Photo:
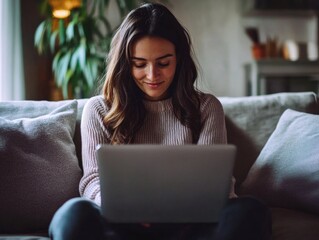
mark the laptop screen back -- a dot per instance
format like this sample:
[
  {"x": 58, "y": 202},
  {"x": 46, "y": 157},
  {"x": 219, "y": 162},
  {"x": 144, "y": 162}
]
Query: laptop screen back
[{"x": 164, "y": 184}]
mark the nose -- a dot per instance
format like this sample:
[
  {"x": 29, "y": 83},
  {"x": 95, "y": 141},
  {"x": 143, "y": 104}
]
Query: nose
[{"x": 152, "y": 72}]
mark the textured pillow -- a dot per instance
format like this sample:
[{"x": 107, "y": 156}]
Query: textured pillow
[
  {"x": 39, "y": 169},
  {"x": 251, "y": 120},
  {"x": 286, "y": 173}
]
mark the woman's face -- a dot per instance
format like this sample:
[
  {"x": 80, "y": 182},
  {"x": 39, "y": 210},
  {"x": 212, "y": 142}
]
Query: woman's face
[{"x": 153, "y": 62}]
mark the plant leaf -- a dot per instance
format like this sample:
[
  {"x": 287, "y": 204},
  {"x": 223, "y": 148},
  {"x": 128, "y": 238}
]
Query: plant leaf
[
  {"x": 102, "y": 6},
  {"x": 106, "y": 26},
  {"x": 75, "y": 59},
  {"x": 56, "y": 61},
  {"x": 65, "y": 83},
  {"x": 61, "y": 32},
  {"x": 91, "y": 71},
  {"x": 82, "y": 53},
  {"x": 70, "y": 31},
  {"x": 39, "y": 38},
  {"x": 53, "y": 40},
  {"x": 62, "y": 67},
  {"x": 81, "y": 30},
  {"x": 39, "y": 33}
]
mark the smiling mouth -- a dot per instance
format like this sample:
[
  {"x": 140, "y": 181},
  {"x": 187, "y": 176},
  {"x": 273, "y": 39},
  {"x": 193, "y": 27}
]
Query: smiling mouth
[{"x": 153, "y": 85}]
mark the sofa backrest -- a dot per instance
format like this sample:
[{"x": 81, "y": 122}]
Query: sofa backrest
[{"x": 251, "y": 120}]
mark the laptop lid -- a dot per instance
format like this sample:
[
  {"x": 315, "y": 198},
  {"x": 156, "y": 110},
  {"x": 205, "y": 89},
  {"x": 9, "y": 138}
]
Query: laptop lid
[{"x": 164, "y": 184}]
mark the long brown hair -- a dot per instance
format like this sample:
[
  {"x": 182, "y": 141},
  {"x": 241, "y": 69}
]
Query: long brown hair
[{"x": 124, "y": 99}]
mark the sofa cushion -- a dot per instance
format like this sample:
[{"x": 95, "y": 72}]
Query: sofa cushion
[
  {"x": 38, "y": 165},
  {"x": 286, "y": 173},
  {"x": 288, "y": 224},
  {"x": 251, "y": 120}
]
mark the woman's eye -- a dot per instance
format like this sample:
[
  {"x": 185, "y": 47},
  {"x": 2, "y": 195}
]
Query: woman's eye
[
  {"x": 163, "y": 64},
  {"x": 139, "y": 65}
]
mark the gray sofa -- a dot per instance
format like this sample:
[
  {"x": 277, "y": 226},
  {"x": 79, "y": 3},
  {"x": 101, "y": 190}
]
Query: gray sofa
[{"x": 40, "y": 160}]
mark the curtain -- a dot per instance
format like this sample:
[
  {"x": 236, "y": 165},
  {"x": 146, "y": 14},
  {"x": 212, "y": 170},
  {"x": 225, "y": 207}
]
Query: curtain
[{"x": 11, "y": 58}]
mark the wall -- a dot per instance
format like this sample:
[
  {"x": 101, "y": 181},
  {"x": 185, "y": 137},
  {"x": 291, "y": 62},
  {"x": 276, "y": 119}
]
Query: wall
[
  {"x": 37, "y": 69},
  {"x": 217, "y": 31},
  {"x": 220, "y": 43}
]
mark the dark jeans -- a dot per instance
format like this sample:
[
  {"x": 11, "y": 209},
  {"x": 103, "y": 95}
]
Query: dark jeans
[{"x": 242, "y": 218}]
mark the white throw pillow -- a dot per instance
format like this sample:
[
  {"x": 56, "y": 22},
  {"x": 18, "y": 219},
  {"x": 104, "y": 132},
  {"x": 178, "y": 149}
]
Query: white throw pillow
[{"x": 286, "y": 173}]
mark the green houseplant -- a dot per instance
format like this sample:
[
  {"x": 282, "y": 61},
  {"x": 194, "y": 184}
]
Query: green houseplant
[{"x": 78, "y": 43}]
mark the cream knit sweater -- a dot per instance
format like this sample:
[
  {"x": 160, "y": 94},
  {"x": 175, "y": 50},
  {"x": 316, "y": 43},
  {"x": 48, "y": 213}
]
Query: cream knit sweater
[{"x": 160, "y": 127}]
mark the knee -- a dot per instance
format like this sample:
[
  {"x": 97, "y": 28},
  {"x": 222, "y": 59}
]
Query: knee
[
  {"x": 246, "y": 218},
  {"x": 249, "y": 206},
  {"x": 256, "y": 205},
  {"x": 80, "y": 206},
  {"x": 76, "y": 208},
  {"x": 252, "y": 203},
  {"x": 74, "y": 214}
]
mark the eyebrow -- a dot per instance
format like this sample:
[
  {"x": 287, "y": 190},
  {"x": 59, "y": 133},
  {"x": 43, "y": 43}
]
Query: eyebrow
[{"x": 159, "y": 58}]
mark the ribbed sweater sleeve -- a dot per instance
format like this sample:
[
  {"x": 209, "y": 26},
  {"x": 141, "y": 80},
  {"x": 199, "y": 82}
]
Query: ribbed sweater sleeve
[
  {"x": 160, "y": 127},
  {"x": 213, "y": 119},
  {"x": 93, "y": 132}
]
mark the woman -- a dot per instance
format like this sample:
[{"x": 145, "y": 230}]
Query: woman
[{"x": 149, "y": 97}]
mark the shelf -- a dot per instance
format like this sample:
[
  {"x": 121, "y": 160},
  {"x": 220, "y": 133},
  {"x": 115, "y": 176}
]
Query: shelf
[
  {"x": 258, "y": 72},
  {"x": 280, "y": 61},
  {"x": 281, "y": 13},
  {"x": 250, "y": 9}
]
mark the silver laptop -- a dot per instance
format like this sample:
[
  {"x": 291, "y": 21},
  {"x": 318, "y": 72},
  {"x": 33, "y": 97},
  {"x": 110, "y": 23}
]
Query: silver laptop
[{"x": 164, "y": 184}]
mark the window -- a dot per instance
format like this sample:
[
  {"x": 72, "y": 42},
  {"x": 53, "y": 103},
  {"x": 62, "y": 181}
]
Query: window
[{"x": 11, "y": 61}]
